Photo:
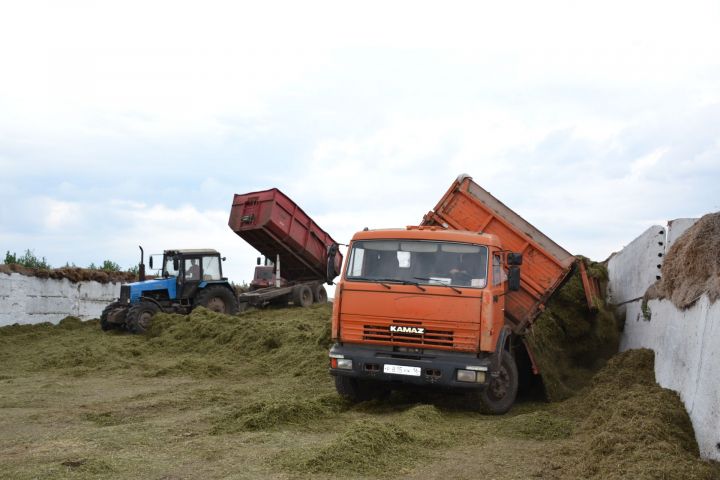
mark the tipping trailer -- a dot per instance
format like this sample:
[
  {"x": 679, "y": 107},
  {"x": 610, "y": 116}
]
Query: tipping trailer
[
  {"x": 444, "y": 304},
  {"x": 467, "y": 206},
  {"x": 302, "y": 255}
]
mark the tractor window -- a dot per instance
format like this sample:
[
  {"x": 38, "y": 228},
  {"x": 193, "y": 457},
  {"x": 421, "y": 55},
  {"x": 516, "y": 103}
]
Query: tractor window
[
  {"x": 169, "y": 268},
  {"x": 192, "y": 269},
  {"x": 211, "y": 268}
]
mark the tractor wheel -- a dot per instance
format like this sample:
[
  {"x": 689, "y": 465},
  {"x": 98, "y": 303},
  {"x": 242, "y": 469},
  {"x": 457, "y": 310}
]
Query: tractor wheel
[
  {"x": 320, "y": 294},
  {"x": 139, "y": 315},
  {"x": 302, "y": 296},
  {"x": 105, "y": 324},
  {"x": 499, "y": 395},
  {"x": 218, "y": 299}
]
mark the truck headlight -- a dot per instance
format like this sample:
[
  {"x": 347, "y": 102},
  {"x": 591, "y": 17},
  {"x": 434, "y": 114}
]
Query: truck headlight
[
  {"x": 466, "y": 376},
  {"x": 344, "y": 363}
]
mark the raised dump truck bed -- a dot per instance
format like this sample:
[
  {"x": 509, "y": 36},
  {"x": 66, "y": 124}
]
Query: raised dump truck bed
[
  {"x": 275, "y": 225},
  {"x": 467, "y": 206}
]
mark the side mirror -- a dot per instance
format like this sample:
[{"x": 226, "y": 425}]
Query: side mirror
[
  {"x": 330, "y": 271},
  {"x": 176, "y": 264},
  {"x": 258, "y": 260},
  {"x": 151, "y": 263},
  {"x": 513, "y": 278},
  {"x": 514, "y": 258}
]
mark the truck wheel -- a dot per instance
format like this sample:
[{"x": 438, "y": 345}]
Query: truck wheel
[
  {"x": 139, "y": 315},
  {"x": 357, "y": 390},
  {"x": 302, "y": 296},
  {"x": 115, "y": 308},
  {"x": 320, "y": 294},
  {"x": 499, "y": 395},
  {"x": 218, "y": 299}
]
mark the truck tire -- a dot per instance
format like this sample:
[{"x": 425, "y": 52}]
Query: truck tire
[
  {"x": 356, "y": 390},
  {"x": 320, "y": 294},
  {"x": 499, "y": 395},
  {"x": 217, "y": 298},
  {"x": 139, "y": 315},
  {"x": 105, "y": 324},
  {"x": 302, "y": 296}
]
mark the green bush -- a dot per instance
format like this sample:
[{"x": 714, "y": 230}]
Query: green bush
[{"x": 29, "y": 260}]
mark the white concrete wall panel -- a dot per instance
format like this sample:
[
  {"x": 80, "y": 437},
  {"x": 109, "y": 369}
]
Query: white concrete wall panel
[
  {"x": 635, "y": 267},
  {"x": 687, "y": 359},
  {"x": 25, "y": 299},
  {"x": 676, "y": 228}
]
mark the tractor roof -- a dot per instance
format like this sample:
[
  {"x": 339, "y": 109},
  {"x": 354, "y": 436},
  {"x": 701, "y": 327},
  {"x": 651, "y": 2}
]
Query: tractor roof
[{"x": 192, "y": 251}]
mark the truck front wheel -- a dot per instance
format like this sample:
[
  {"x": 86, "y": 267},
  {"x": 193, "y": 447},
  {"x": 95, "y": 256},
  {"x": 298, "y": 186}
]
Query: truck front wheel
[
  {"x": 499, "y": 395},
  {"x": 218, "y": 299},
  {"x": 357, "y": 390}
]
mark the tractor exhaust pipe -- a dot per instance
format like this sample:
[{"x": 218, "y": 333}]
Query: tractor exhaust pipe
[{"x": 141, "y": 267}]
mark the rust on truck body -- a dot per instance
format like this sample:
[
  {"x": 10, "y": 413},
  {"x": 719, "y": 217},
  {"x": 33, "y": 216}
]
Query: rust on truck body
[{"x": 467, "y": 206}]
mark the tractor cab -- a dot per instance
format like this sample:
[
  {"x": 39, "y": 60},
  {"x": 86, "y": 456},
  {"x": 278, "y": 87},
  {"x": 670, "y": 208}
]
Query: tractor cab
[{"x": 192, "y": 269}]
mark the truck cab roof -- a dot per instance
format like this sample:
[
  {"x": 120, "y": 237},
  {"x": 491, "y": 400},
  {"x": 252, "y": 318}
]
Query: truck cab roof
[{"x": 430, "y": 233}]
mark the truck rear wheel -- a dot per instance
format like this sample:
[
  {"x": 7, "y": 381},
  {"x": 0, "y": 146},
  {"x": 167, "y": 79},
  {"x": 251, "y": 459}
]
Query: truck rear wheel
[
  {"x": 138, "y": 316},
  {"x": 320, "y": 294},
  {"x": 499, "y": 395},
  {"x": 357, "y": 390},
  {"x": 302, "y": 296},
  {"x": 218, "y": 299}
]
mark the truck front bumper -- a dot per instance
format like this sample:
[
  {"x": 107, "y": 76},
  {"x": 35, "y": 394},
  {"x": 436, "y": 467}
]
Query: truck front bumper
[{"x": 429, "y": 368}]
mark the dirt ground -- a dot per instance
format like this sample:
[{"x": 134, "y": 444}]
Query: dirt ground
[{"x": 211, "y": 396}]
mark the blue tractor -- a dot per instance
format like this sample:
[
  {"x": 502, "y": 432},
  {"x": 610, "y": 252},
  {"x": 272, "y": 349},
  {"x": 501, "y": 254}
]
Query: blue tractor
[{"x": 188, "y": 278}]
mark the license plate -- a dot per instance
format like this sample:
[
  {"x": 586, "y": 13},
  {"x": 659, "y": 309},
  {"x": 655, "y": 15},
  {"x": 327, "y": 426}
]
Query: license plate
[{"x": 402, "y": 370}]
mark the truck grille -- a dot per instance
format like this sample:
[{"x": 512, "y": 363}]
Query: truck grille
[
  {"x": 125, "y": 293},
  {"x": 429, "y": 337}
]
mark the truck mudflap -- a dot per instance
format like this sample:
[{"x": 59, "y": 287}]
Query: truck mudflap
[{"x": 434, "y": 368}]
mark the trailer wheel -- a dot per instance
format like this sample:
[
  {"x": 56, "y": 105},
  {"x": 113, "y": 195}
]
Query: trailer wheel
[
  {"x": 218, "y": 299},
  {"x": 105, "y": 324},
  {"x": 302, "y": 296},
  {"x": 499, "y": 395},
  {"x": 138, "y": 316},
  {"x": 356, "y": 390},
  {"x": 320, "y": 294}
]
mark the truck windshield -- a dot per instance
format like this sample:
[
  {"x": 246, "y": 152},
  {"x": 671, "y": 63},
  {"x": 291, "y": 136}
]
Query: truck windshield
[{"x": 424, "y": 262}]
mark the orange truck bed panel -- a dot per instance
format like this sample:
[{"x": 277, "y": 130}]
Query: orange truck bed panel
[{"x": 467, "y": 206}]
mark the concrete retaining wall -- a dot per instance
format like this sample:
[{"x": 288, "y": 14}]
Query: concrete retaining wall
[
  {"x": 686, "y": 342},
  {"x": 26, "y": 299}
]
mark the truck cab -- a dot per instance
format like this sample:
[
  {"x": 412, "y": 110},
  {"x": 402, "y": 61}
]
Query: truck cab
[{"x": 424, "y": 307}]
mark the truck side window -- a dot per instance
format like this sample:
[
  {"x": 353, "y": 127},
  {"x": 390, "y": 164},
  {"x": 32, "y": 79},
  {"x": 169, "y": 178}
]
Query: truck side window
[
  {"x": 356, "y": 262},
  {"x": 498, "y": 273}
]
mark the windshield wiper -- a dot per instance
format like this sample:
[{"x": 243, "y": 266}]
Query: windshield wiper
[
  {"x": 390, "y": 280},
  {"x": 428, "y": 279}
]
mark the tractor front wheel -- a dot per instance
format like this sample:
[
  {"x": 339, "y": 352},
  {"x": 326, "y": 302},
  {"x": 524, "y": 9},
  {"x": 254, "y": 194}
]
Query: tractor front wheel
[
  {"x": 116, "y": 311},
  {"x": 139, "y": 315}
]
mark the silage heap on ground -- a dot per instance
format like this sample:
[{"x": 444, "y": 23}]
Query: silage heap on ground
[
  {"x": 691, "y": 267},
  {"x": 570, "y": 342},
  {"x": 250, "y": 397}
]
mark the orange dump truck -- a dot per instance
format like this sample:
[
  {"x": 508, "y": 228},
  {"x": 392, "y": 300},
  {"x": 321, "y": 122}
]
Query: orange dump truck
[{"x": 444, "y": 304}]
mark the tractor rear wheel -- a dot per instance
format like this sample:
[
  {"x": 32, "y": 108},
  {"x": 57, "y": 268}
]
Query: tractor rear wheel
[
  {"x": 218, "y": 299},
  {"x": 114, "y": 310},
  {"x": 302, "y": 296},
  {"x": 139, "y": 315}
]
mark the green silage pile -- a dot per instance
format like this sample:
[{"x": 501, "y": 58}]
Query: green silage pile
[{"x": 570, "y": 342}]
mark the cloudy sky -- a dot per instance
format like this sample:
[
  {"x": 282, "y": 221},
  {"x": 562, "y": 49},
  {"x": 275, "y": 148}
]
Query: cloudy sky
[{"x": 126, "y": 123}]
